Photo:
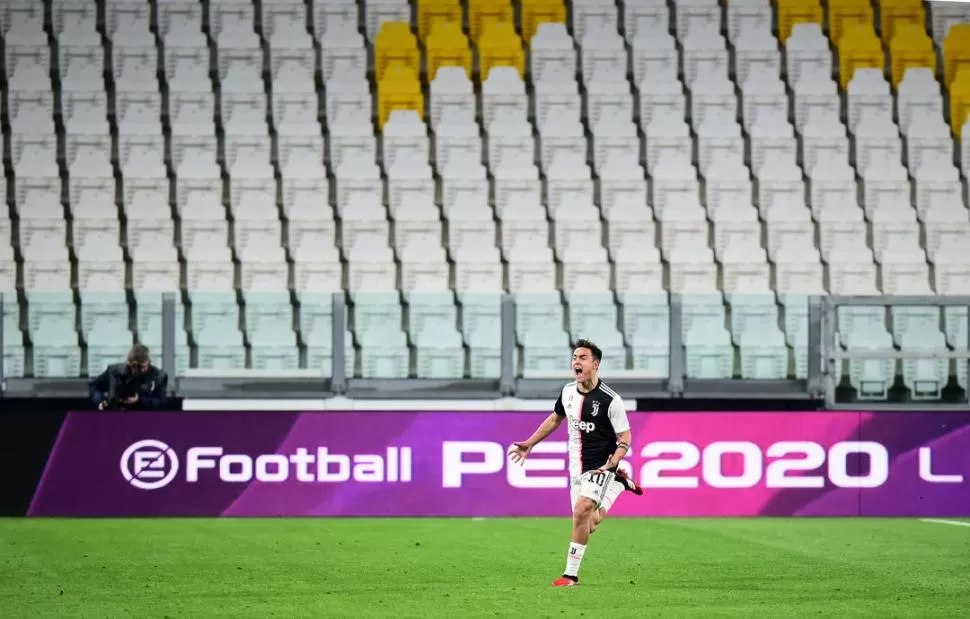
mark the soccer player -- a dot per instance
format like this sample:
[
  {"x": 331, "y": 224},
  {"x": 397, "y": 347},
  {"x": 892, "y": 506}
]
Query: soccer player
[{"x": 599, "y": 437}]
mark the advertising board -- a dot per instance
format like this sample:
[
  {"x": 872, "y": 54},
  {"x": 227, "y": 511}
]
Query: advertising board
[{"x": 455, "y": 464}]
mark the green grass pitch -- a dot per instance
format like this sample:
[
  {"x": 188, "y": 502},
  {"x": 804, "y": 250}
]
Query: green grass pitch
[{"x": 701, "y": 568}]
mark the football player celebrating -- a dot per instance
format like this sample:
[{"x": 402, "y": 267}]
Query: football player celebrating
[{"x": 599, "y": 437}]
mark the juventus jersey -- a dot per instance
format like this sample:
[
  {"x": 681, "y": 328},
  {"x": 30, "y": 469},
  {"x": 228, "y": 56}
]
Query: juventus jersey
[{"x": 593, "y": 420}]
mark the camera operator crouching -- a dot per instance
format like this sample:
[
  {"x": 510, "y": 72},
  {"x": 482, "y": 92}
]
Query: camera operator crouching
[{"x": 135, "y": 384}]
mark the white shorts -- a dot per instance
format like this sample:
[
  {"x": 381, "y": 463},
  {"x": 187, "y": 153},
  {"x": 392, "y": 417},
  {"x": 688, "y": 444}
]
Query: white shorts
[{"x": 601, "y": 489}]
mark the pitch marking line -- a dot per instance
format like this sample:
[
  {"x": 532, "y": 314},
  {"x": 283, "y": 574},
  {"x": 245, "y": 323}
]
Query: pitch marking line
[{"x": 955, "y": 523}]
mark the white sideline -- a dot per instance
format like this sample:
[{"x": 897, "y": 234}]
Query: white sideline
[{"x": 956, "y": 523}]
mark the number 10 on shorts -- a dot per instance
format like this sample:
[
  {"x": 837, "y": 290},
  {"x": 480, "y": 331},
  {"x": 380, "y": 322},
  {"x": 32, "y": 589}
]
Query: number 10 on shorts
[{"x": 594, "y": 485}]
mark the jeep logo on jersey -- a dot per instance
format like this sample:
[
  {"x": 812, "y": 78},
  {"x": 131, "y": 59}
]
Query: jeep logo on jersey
[
  {"x": 596, "y": 409},
  {"x": 584, "y": 426}
]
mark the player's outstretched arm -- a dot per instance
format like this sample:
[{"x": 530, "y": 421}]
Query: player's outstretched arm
[{"x": 520, "y": 451}]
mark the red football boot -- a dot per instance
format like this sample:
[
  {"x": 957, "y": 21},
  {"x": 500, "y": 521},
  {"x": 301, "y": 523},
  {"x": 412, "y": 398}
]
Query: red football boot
[
  {"x": 628, "y": 482},
  {"x": 565, "y": 581}
]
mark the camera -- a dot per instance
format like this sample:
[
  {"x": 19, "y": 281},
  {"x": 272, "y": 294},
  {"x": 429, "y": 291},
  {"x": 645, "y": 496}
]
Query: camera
[
  {"x": 134, "y": 384},
  {"x": 124, "y": 385}
]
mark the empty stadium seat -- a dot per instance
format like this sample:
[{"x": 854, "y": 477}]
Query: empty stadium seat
[
  {"x": 645, "y": 319},
  {"x": 910, "y": 47},
  {"x": 447, "y": 45},
  {"x": 593, "y": 317},
  {"x": 536, "y": 12},
  {"x": 859, "y": 48},
  {"x": 764, "y": 354},
  {"x": 378, "y": 326},
  {"x": 395, "y": 44},
  {"x": 499, "y": 46},
  {"x": 710, "y": 171},
  {"x": 268, "y": 320},
  {"x": 541, "y": 332},
  {"x": 708, "y": 350},
  {"x": 433, "y": 13},
  {"x": 872, "y": 378},
  {"x": 791, "y": 13},
  {"x": 956, "y": 51},
  {"x": 433, "y": 325},
  {"x": 51, "y": 327},
  {"x": 895, "y": 15},
  {"x": 843, "y": 15},
  {"x": 398, "y": 89},
  {"x": 483, "y": 12},
  {"x": 480, "y": 325}
]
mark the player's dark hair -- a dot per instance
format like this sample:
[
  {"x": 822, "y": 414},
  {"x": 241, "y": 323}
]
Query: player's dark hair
[{"x": 593, "y": 348}]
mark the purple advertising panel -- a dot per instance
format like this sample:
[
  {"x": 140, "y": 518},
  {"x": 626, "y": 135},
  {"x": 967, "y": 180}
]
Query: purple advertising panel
[{"x": 456, "y": 464}]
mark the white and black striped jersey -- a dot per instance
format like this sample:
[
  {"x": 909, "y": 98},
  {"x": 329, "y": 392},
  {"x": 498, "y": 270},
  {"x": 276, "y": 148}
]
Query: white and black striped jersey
[{"x": 593, "y": 420}]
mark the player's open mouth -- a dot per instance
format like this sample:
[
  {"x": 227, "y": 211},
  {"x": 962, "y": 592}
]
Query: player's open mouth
[{"x": 578, "y": 371}]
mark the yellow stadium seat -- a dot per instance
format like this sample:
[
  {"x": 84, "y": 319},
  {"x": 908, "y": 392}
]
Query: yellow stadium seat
[
  {"x": 500, "y": 46},
  {"x": 448, "y": 47},
  {"x": 433, "y": 11},
  {"x": 399, "y": 89},
  {"x": 859, "y": 48},
  {"x": 911, "y": 47},
  {"x": 794, "y": 12},
  {"x": 396, "y": 43},
  {"x": 960, "y": 101},
  {"x": 896, "y": 13},
  {"x": 956, "y": 51},
  {"x": 483, "y": 12},
  {"x": 535, "y": 12},
  {"x": 846, "y": 13}
]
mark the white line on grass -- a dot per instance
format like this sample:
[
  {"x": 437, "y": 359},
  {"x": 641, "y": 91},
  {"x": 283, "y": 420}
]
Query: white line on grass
[{"x": 956, "y": 523}]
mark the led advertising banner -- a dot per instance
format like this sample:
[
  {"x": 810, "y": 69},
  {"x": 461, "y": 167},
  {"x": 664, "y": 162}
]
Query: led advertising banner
[{"x": 455, "y": 464}]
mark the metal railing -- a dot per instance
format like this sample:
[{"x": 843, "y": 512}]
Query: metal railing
[
  {"x": 832, "y": 355},
  {"x": 823, "y": 375}
]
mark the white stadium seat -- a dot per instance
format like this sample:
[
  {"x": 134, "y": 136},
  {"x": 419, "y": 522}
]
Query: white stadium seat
[{"x": 612, "y": 156}]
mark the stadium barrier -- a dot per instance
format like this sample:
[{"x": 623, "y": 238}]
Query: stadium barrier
[
  {"x": 918, "y": 376},
  {"x": 388, "y": 463}
]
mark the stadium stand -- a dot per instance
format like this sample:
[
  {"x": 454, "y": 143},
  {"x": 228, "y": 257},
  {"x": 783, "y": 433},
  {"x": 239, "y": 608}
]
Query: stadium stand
[{"x": 589, "y": 157}]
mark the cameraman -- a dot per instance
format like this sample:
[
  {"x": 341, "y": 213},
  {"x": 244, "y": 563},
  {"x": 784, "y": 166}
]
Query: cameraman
[{"x": 133, "y": 385}]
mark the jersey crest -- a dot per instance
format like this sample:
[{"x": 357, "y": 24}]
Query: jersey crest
[{"x": 595, "y": 408}]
